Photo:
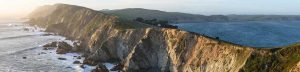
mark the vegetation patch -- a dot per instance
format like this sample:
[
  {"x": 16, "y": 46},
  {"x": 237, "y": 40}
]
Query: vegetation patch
[
  {"x": 123, "y": 24},
  {"x": 273, "y": 60},
  {"x": 155, "y": 22}
]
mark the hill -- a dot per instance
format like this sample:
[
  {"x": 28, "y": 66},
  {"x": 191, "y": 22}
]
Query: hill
[{"x": 132, "y": 13}]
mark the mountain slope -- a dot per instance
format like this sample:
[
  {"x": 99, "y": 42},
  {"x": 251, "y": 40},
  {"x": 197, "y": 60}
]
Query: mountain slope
[{"x": 138, "y": 47}]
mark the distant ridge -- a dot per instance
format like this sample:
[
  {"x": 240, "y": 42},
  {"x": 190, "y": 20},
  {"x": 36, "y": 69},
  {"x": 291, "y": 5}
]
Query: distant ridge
[
  {"x": 175, "y": 17},
  {"x": 132, "y": 13}
]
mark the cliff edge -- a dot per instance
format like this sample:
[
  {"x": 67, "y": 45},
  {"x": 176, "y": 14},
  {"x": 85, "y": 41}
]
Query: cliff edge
[{"x": 140, "y": 47}]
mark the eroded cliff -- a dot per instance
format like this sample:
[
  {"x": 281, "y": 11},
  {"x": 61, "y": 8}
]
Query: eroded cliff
[{"x": 139, "y": 47}]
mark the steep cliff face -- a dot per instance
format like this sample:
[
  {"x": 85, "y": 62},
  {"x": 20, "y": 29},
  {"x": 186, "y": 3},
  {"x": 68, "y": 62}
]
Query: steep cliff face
[
  {"x": 138, "y": 47},
  {"x": 167, "y": 50}
]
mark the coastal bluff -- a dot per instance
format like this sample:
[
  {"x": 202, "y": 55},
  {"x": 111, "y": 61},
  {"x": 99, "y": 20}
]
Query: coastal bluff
[{"x": 143, "y": 48}]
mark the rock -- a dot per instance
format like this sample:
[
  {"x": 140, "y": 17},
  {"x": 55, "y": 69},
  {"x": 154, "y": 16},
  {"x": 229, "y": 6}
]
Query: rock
[
  {"x": 76, "y": 62},
  {"x": 48, "y": 48},
  {"x": 82, "y": 66},
  {"x": 47, "y": 34},
  {"x": 90, "y": 62},
  {"x": 78, "y": 46},
  {"x": 52, "y": 44},
  {"x": 62, "y": 58},
  {"x": 85, "y": 55},
  {"x": 26, "y": 29},
  {"x": 79, "y": 57},
  {"x": 43, "y": 53},
  {"x": 63, "y": 48},
  {"x": 100, "y": 68},
  {"x": 118, "y": 67},
  {"x": 68, "y": 67},
  {"x": 24, "y": 57}
]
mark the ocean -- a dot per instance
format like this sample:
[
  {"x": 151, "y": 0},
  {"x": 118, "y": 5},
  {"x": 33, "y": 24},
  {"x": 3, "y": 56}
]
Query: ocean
[
  {"x": 249, "y": 33},
  {"x": 21, "y": 51}
]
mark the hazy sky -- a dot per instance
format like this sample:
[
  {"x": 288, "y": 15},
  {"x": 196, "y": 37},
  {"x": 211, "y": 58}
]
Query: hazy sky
[{"x": 10, "y": 8}]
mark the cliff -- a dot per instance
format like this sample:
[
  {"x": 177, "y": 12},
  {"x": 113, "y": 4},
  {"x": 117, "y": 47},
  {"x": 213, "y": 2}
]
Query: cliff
[{"x": 139, "y": 47}]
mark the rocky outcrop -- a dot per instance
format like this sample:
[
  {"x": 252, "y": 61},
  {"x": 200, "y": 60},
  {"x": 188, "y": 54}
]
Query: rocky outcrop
[
  {"x": 100, "y": 68},
  {"x": 63, "y": 48},
  {"x": 138, "y": 47},
  {"x": 52, "y": 44}
]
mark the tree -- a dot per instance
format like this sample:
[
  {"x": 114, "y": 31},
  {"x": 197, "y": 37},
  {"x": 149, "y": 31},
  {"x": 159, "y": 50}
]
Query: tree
[
  {"x": 139, "y": 19},
  {"x": 147, "y": 22},
  {"x": 154, "y": 22},
  {"x": 163, "y": 22}
]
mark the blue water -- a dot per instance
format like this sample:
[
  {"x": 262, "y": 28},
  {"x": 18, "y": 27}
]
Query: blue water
[{"x": 251, "y": 33}]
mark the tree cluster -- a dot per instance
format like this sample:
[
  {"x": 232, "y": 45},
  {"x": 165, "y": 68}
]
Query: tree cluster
[{"x": 155, "y": 22}]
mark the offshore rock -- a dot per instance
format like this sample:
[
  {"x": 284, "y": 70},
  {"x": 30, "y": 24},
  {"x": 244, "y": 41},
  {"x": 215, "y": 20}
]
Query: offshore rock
[
  {"x": 76, "y": 62},
  {"x": 63, "y": 48},
  {"x": 62, "y": 58},
  {"x": 90, "y": 61},
  {"x": 52, "y": 44}
]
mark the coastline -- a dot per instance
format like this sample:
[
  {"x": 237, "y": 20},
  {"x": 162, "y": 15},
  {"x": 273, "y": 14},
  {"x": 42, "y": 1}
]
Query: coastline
[
  {"x": 137, "y": 47},
  {"x": 22, "y": 50}
]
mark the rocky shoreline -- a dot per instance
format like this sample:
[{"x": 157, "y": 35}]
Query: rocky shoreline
[{"x": 62, "y": 47}]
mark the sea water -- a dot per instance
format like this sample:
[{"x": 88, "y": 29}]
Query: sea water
[
  {"x": 21, "y": 50},
  {"x": 250, "y": 33}
]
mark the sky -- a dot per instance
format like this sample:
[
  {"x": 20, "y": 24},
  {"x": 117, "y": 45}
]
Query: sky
[{"x": 19, "y": 8}]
